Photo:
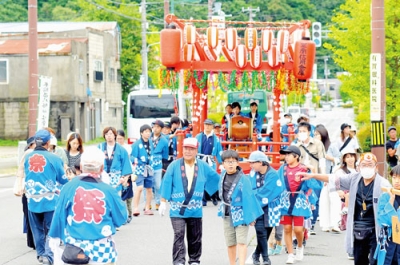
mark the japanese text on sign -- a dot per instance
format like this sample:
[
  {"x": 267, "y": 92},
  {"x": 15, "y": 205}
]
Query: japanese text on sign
[
  {"x": 375, "y": 87},
  {"x": 44, "y": 102}
]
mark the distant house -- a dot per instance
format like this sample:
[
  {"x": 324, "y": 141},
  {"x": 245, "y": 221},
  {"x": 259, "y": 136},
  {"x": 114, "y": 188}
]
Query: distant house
[{"x": 83, "y": 59}]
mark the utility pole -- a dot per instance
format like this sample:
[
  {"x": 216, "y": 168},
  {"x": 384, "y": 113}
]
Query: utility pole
[
  {"x": 33, "y": 67},
  {"x": 378, "y": 47},
  {"x": 251, "y": 10},
  {"x": 326, "y": 73},
  {"x": 144, "y": 46},
  {"x": 166, "y": 11},
  {"x": 210, "y": 11}
]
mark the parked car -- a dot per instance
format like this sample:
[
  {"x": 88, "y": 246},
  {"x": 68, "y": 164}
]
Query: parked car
[{"x": 326, "y": 107}]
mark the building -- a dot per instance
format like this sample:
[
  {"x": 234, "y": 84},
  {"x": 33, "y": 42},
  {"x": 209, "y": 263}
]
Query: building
[{"x": 83, "y": 60}]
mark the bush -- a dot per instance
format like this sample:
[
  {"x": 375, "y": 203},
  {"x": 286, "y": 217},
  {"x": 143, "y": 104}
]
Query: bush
[{"x": 364, "y": 137}]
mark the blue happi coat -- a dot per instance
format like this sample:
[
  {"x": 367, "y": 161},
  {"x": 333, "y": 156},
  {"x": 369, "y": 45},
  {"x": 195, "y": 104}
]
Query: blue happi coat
[
  {"x": 43, "y": 172},
  {"x": 120, "y": 166},
  {"x": 257, "y": 122},
  {"x": 87, "y": 215},
  {"x": 172, "y": 188},
  {"x": 244, "y": 206},
  {"x": 269, "y": 195},
  {"x": 159, "y": 153},
  {"x": 296, "y": 203},
  {"x": 386, "y": 248},
  {"x": 216, "y": 151},
  {"x": 140, "y": 157}
]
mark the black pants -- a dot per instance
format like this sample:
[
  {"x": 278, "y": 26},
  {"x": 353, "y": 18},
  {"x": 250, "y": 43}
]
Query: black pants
[
  {"x": 29, "y": 237},
  {"x": 194, "y": 229},
  {"x": 364, "y": 250},
  {"x": 263, "y": 234}
]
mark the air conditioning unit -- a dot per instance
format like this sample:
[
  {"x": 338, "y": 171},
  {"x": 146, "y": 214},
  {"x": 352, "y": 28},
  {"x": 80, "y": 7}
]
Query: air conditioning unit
[{"x": 97, "y": 76}]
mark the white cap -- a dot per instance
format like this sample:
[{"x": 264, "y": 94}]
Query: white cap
[
  {"x": 190, "y": 142},
  {"x": 92, "y": 156},
  {"x": 53, "y": 140}
]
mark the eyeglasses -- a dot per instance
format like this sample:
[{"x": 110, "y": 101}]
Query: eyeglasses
[
  {"x": 230, "y": 162},
  {"x": 253, "y": 162}
]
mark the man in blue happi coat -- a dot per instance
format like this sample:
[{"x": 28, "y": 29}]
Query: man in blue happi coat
[
  {"x": 44, "y": 172},
  {"x": 209, "y": 150},
  {"x": 183, "y": 186},
  {"x": 88, "y": 213}
]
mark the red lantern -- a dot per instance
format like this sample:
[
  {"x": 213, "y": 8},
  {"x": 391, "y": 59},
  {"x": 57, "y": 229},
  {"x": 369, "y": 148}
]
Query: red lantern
[
  {"x": 188, "y": 52},
  {"x": 231, "y": 38},
  {"x": 250, "y": 38},
  {"x": 210, "y": 54},
  {"x": 304, "y": 56},
  {"x": 212, "y": 37},
  {"x": 241, "y": 56},
  {"x": 229, "y": 55},
  {"x": 170, "y": 42},
  {"x": 256, "y": 57}
]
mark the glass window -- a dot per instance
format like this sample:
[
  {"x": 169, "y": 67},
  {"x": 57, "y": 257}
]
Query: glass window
[
  {"x": 151, "y": 106},
  {"x": 3, "y": 71}
]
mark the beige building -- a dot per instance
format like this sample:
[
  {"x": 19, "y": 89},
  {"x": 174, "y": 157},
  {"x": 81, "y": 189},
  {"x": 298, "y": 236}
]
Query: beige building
[{"x": 82, "y": 58}]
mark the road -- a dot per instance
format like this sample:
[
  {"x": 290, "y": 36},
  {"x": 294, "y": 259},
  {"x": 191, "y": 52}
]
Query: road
[{"x": 147, "y": 240}]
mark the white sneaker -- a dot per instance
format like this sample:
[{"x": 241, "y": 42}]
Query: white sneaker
[
  {"x": 325, "y": 229},
  {"x": 290, "y": 259},
  {"x": 299, "y": 253},
  {"x": 336, "y": 229}
]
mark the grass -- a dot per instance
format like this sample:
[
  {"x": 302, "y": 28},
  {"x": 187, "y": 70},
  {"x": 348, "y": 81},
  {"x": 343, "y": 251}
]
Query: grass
[{"x": 4, "y": 142}]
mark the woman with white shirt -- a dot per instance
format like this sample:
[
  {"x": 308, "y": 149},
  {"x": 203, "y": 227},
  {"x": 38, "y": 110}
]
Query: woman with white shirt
[{"x": 346, "y": 139}]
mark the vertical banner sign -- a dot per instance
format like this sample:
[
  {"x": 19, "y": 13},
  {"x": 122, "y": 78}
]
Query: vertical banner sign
[
  {"x": 44, "y": 102},
  {"x": 375, "y": 87}
]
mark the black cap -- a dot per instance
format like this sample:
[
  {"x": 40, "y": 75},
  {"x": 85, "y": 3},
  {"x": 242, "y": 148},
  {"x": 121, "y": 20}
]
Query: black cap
[
  {"x": 216, "y": 125},
  {"x": 391, "y": 128},
  {"x": 159, "y": 123},
  {"x": 29, "y": 142},
  {"x": 145, "y": 127},
  {"x": 167, "y": 124},
  {"x": 290, "y": 149},
  {"x": 288, "y": 115},
  {"x": 344, "y": 125}
]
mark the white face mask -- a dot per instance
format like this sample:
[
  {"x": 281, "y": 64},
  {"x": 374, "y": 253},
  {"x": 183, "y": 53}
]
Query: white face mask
[
  {"x": 302, "y": 136},
  {"x": 287, "y": 120},
  {"x": 367, "y": 172}
]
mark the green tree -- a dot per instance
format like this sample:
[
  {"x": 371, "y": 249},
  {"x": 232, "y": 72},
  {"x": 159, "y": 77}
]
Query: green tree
[{"x": 351, "y": 31}]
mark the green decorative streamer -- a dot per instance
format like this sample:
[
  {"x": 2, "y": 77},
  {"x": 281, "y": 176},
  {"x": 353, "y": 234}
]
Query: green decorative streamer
[
  {"x": 245, "y": 82},
  {"x": 223, "y": 85},
  {"x": 203, "y": 82},
  {"x": 232, "y": 81},
  {"x": 254, "y": 81}
]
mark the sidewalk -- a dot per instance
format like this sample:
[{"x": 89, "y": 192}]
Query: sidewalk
[{"x": 8, "y": 160}]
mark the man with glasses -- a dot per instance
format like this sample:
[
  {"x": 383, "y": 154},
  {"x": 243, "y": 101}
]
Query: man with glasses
[
  {"x": 364, "y": 189},
  {"x": 268, "y": 188},
  {"x": 239, "y": 206},
  {"x": 183, "y": 186}
]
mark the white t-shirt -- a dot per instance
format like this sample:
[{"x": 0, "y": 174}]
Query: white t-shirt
[{"x": 353, "y": 144}]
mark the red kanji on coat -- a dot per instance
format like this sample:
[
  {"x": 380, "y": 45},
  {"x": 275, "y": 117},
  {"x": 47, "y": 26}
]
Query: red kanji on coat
[
  {"x": 89, "y": 205},
  {"x": 37, "y": 163}
]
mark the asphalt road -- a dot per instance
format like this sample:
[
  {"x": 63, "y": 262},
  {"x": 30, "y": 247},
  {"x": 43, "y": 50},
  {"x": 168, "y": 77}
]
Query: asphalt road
[{"x": 147, "y": 240}]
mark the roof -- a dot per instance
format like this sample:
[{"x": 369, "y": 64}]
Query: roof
[
  {"x": 43, "y": 27},
  {"x": 45, "y": 46}
]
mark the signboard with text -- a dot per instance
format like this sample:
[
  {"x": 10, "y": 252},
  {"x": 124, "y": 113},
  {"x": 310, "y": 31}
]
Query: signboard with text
[
  {"x": 44, "y": 102},
  {"x": 375, "y": 86}
]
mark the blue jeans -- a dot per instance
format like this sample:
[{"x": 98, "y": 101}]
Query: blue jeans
[
  {"x": 40, "y": 225},
  {"x": 157, "y": 184},
  {"x": 316, "y": 210},
  {"x": 262, "y": 233}
]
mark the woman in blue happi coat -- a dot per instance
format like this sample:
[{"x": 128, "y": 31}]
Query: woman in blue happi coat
[
  {"x": 267, "y": 187},
  {"x": 116, "y": 162},
  {"x": 239, "y": 206},
  {"x": 388, "y": 252}
]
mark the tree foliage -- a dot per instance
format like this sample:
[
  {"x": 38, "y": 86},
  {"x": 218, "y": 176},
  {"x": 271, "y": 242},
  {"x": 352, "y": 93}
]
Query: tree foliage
[{"x": 351, "y": 31}]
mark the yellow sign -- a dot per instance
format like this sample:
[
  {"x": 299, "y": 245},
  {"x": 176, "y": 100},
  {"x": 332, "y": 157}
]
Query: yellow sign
[{"x": 377, "y": 134}]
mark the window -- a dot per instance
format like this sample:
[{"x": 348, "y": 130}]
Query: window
[
  {"x": 113, "y": 112},
  {"x": 3, "y": 71},
  {"x": 119, "y": 75},
  {"x": 98, "y": 65},
  {"x": 111, "y": 74},
  {"x": 81, "y": 72}
]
